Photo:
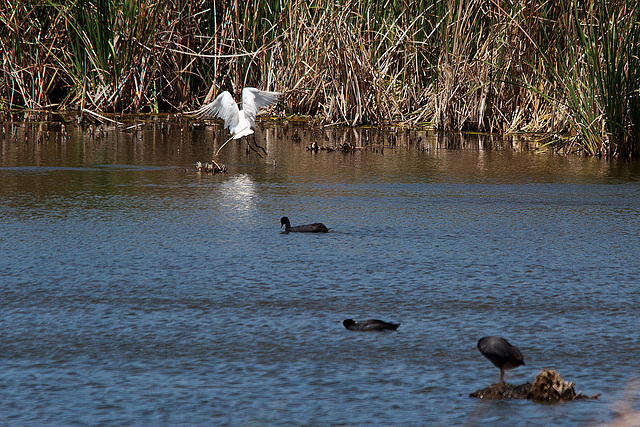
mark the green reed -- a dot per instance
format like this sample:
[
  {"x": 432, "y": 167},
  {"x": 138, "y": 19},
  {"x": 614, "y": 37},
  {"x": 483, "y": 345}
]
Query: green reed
[
  {"x": 587, "y": 60},
  {"x": 110, "y": 46},
  {"x": 611, "y": 43}
]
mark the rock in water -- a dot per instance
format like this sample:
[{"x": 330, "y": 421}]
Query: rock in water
[{"x": 547, "y": 387}]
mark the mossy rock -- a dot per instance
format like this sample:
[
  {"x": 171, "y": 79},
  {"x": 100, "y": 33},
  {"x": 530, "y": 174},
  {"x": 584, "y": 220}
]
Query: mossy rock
[{"x": 503, "y": 391}]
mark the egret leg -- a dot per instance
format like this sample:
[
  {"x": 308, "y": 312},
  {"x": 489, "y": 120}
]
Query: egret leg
[
  {"x": 259, "y": 146},
  {"x": 251, "y": 147},
  {"x": 225, "y": 143}
]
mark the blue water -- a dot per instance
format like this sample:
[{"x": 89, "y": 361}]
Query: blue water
[{"x": 136, "y": 291}]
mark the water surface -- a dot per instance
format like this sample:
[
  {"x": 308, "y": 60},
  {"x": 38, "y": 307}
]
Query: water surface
[{"x": 136, "y": 291}]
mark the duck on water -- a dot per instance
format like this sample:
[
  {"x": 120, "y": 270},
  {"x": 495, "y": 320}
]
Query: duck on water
[
  {"x": 370, "y": 325},
  {"x": 317, "y": 227}
]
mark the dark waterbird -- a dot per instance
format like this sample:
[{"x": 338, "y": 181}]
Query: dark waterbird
[
  {"x": 370, "y": 325},
  {"x": 501, "y": 353},
  {"x": 317, "y": 227}
]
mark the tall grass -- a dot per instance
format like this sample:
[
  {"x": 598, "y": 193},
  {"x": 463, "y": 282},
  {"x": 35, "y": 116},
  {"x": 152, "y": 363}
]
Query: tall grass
[
  {"x": 610, "y": 39},
  {"x": 589, "y": 68},
  {"x": 563, "y": 67}
]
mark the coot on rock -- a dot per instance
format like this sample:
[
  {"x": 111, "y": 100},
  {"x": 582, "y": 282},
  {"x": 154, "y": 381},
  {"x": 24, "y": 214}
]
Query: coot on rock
[{"x": 501, "y": 353}]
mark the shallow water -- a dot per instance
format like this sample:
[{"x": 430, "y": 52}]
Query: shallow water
[{"x": 136, "y": 291}]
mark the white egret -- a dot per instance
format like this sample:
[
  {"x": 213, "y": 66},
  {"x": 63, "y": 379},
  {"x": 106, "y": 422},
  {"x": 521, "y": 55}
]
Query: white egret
[{"x": 239, "y": 122}]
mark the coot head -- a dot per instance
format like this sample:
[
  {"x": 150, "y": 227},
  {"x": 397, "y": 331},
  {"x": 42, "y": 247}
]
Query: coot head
[
  {"x": 348, "y": 323},
  {"x": 284, "y": 221}
]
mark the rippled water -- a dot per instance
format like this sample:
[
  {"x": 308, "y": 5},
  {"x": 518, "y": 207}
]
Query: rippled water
[{"x": 137, "y": 291}]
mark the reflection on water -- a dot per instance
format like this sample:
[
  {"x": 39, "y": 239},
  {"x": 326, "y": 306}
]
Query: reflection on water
[
  {"x": 238, "y": 194},
  {"x": 138, "y": 291}
]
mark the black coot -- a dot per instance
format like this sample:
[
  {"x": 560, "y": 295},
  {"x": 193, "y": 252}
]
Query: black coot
[
  {"x": 370, "y": 325},
  {"x": 318, "y": 227},
  {"x": 501, "y": 353}
]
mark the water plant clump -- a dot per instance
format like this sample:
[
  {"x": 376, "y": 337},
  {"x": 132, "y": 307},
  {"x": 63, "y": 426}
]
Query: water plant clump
[
  {"x": 548, "y": 387},
  {"x": 567, "y": 69}
]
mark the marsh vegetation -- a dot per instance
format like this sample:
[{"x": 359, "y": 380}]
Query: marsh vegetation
[{"x": 565, "y": 69}]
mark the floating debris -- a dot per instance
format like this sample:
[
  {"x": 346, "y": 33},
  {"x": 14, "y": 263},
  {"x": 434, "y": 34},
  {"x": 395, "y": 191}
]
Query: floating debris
[
  {"x": 213, "y": 167},
  {"x": 346, "y": 147},
  {"x": 548, "y": 387}
]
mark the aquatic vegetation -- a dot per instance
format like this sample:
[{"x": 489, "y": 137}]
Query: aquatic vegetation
[
  {"x": 595, "y": 85},
  {"x": 568, "y": 69}
]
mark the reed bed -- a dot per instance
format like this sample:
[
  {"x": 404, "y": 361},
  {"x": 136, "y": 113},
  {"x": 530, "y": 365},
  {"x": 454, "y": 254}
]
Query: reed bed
[{"x": 568, "y": 70}]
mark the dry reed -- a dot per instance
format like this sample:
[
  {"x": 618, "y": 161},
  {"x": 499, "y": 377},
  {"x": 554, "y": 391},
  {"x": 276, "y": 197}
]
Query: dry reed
[{"x": 567, "y": 69}]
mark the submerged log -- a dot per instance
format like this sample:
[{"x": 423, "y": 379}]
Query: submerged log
[{"x": 547, "y": 387}]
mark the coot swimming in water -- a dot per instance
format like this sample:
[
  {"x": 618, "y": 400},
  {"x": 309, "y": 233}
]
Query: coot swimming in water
[
  {"x": 502, "y": 354},
  {"x": 317, "y": 227},
  {"x": 370, "y": 325}
]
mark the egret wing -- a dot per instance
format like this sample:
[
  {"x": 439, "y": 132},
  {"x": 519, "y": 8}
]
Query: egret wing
[
  {"x": 223, "y": 107},
  {"x": 254, "y": 99}
]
